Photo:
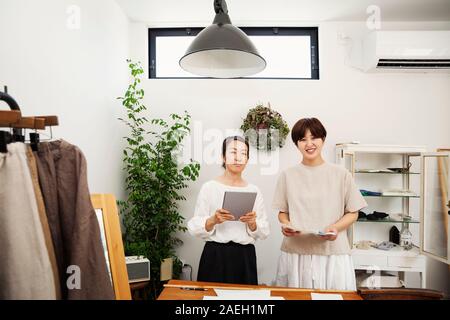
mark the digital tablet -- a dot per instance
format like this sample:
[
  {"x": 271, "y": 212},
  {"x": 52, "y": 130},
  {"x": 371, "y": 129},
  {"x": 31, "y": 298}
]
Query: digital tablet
[
  {"x": 238, "y": 203},
  {"x": 323, "y": 234}
]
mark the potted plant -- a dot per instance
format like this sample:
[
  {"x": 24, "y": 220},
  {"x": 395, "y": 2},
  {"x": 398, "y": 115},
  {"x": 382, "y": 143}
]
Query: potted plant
[
  {"x": 153, "y": 182},
  {"x": 265, "y": 128}
]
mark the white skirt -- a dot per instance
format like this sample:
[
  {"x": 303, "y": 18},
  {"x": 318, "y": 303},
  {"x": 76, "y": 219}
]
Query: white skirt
[{"x": 335, "y": 272}]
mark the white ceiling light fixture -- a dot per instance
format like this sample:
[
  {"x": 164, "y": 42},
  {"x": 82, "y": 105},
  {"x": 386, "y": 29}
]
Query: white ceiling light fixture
[{"x": 222, "y": 50}]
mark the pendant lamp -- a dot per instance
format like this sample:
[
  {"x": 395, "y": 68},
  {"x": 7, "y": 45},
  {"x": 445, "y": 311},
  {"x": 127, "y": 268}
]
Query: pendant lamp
[{"x": 222, "y": 50}]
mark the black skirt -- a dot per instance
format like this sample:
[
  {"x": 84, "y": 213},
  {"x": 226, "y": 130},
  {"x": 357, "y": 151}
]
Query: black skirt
[{"x": 228, "y": 263}]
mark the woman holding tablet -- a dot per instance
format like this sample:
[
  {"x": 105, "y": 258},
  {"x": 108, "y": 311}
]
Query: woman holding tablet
[
  {"x": 229, "y": 253},
  {"x": 317, "y": 202}
]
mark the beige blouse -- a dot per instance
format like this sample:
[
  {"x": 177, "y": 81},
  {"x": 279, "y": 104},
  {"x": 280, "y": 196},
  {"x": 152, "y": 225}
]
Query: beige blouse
[{"x": 315, "y": 198}]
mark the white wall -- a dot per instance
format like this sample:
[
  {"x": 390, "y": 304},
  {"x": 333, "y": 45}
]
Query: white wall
[
  {"x": 53, "y": 67},
  {"x": 411, "y": 109},
  {"x": 77, "y": 74}
]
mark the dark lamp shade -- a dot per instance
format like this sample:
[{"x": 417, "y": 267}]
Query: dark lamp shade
[{"x": 222, "y": 51}]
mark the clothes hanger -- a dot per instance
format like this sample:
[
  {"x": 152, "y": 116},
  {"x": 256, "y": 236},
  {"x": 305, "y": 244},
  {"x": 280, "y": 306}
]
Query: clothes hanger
[
  {"x": 13, "y": 119},
  {"x": 4, "y": 96},
  {"x": 7, "y": 118},
  {"x": 50, "y": 122}
]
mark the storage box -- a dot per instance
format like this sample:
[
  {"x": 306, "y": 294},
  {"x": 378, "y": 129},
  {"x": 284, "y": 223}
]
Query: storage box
[
  {"x": 138, "y": 268},
  {"x": 378, "y": 280}
]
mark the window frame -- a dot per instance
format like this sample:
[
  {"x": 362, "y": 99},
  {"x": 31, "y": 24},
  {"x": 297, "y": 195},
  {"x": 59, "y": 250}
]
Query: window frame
[{"x": 313, "y": 32}]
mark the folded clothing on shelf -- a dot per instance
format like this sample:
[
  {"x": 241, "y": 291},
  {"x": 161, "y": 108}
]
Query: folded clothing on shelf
[
  {"x": 376, "y": 215},
  {"x": 370, "y": 193},
  {"x": 385, "y": 245},
  {"x": 365, "y": 244},
  {"x": 401, "y": 170}
]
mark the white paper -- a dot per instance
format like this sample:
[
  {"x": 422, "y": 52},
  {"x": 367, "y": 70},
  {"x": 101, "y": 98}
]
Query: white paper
[
  {"x": 236, "y": 298},
  {"x": 326, "y": 296},
  {"x": 256, "y": 294},
  {"x": 243, "y": 293},
  {"x": 298, "y": 230}
]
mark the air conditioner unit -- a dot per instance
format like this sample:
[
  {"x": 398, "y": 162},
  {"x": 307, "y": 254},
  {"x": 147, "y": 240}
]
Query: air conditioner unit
[{"x": 419, "y": 51}]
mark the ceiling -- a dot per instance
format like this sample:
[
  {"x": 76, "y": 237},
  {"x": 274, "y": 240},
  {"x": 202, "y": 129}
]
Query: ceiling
[{"x": 260, "y": 11}]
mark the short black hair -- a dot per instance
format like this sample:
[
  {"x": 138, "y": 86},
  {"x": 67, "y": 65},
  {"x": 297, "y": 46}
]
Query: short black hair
[
  {"x": 226, "y": 141},
  {"x": 313, "y": 124}
]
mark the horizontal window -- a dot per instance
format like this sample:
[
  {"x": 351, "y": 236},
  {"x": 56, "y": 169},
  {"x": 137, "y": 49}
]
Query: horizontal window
[{"x": 290, "y": 53}]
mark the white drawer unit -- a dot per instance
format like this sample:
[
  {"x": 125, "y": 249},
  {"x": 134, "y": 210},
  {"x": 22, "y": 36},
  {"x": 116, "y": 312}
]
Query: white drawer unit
[
  {"x": 395, "y": 260},
  {"x": 407, "y": 262},
  {"x": 369, "y": 262}
]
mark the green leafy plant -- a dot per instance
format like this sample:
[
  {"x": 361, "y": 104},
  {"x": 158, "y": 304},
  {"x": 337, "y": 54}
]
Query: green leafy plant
[
  {"x": 154, "y": 181},
  {"x": 265, "y": 128}
]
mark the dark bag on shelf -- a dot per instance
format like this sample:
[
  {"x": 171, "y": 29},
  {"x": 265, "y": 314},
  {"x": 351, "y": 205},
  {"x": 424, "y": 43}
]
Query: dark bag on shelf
[{"x": 394, "y": 235}]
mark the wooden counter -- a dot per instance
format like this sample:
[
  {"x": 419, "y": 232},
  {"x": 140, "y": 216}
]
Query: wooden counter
[{"x": 177, "y": 290}]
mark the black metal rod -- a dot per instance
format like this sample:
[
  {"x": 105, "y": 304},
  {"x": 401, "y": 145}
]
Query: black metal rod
[
  {"x": 222, "y": 17},
  {"x": 220, "y": 6},
  {"x": 4, "y": 96}
]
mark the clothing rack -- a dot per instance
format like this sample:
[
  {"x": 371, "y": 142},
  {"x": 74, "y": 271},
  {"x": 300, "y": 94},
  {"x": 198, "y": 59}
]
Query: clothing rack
[
  {"x": 14, "y": 120},
  {"x": 50, "y": 226}
]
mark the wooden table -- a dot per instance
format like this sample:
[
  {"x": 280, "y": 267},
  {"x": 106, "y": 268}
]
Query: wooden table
[{"x": 174, "y": 291}]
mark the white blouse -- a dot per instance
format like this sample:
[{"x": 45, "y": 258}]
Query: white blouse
[{"x": 210, "y": 199}]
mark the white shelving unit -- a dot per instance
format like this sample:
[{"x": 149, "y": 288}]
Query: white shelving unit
[{"x": 354, "y": 157}]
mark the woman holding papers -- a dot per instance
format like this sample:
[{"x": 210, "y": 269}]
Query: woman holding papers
[
  {"x": 229, "y": 253},
  {"x": 317, "y": 202}
]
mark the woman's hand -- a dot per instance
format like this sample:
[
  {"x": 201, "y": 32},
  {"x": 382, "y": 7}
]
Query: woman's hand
[
  {"x": 222, "y": 215},
  {"x": 250, "y": 219},
  {"x": 288, "y": 232},
  {"x": 331, "y": 237}
]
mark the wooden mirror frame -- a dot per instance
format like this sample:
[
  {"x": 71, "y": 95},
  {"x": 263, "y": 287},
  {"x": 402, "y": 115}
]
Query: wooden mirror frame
[{"x": 107, "y": 203}]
